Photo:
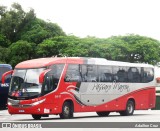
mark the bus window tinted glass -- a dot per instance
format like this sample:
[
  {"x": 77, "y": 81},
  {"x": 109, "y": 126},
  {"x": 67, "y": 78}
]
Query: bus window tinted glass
[
  {"x": 147, "y": 74},
  {"x": 57, "y": 70},
  {"x": 120, "y": 74},
  {"x": 73, "y": 73},
  {"x": 134, "y": 74},
  {"x": 105, "y": 73},
  {"x": 89, "y": 73}
]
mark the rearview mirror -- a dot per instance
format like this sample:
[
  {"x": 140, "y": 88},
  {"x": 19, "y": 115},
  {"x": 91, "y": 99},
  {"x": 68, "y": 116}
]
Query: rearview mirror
[
  {"x": 5, "y": 74},
  {"x": 158, "y": 79},
  {"x": 42, "y": 75}
]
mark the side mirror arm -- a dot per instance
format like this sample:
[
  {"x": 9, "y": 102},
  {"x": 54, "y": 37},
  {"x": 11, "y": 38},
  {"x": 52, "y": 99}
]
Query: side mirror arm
[{"x": 5, "y": 74}]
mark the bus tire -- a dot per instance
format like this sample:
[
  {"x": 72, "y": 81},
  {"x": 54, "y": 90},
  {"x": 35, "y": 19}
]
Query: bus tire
[
  {"x": 67, "y": 111},
  {"x": 36, "y": 117},
  {"x": 129, "y": 109},
  {"x": 104, "y": 113}
]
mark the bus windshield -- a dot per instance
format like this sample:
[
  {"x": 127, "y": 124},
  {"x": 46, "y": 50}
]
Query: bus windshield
[{"x": 25, "y": 83}]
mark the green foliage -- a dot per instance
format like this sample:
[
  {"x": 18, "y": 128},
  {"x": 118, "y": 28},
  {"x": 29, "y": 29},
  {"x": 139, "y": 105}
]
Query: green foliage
[
  {"x": 3, "y": 54},
  {"x": 37, "y": 34},
  {"x": 129, "y": 48},
  {"x": 146, "y": 51},
  {"x": 16, "y": 24},
  {"x": 81, "y": 47},
  {"x": 11, "y": 21},
  {"x": 3, "y": 41},
  {"x": 135, "y": 48},
  {"x": 53, "y": 46},
  {"x": 2, "y": 10},
  {"x": 39, "y": 30},
  {"x": 23, "y": 37},
  {"x": 20, "y": 51}
]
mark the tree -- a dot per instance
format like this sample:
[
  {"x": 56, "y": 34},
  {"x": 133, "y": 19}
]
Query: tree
[
  {"x": 53, "y": 46},
  {"x": 39, "y": 30},
  {"x": 47, "y": 48},
  {"x": 20, "y": 51},
  {"x": 16, "y": 24},
  {"x": 23, "y": 36},
  {"x": 134, "y": 48},
  {"x": 3, "y": 54},
  {"x": 11, "y": 21},
  {"x": 146, "y": 51},
  {"x": 4, "y": 42}
]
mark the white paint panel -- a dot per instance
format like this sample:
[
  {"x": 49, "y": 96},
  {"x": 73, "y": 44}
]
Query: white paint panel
[{"x": 93, "y": 94}]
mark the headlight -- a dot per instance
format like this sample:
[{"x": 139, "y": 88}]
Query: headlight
[
  {"x": 38, "y": 102},
  {"x": 9, "y": 103}
]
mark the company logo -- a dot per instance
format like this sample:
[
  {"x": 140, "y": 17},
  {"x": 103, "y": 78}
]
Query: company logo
[{"x": 6, "y": 125}]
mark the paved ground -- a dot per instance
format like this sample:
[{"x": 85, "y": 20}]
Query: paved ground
[{"x": 139, "y": 116}]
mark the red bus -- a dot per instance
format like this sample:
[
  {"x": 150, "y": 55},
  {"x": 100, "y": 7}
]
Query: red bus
[{"x": 64, "y": 86}]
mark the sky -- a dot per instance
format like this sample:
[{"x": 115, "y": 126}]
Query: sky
[{"x": 99, "y": 18}]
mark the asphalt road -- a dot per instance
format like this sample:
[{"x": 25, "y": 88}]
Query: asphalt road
[{"x": 139, "y": 116}]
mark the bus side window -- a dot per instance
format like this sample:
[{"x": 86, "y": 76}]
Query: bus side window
[
  {"x": 120, "y": 74},
  {"x": 73, "y": 73},
  {"x": 105, "y": 73},
  {"x": 84, "y": 73},
  {"x": 89, "y": 73},
  {"x": 52, "y": 77},
  {"x": 134, "y": 74},
  {"x": 147, "y": 75}
]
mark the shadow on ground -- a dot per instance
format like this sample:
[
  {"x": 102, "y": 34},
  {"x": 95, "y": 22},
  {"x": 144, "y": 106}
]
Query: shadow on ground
[
  {"x": 78, "y": 117},
  {"x": 3, "y": 108}
]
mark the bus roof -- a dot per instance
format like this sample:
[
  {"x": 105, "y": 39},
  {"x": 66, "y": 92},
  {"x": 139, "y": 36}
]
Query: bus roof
[
  {"x": 43, "y": 62},
  {"x": 6, "y": 65}
]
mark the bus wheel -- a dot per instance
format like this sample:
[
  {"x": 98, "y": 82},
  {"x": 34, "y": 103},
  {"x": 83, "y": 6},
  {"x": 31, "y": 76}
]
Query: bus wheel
[
  {"x": 36, "y": 117},
  {"x": 104, "y": 113},
  {"x": 67, "y": 111},
  {"x": 129, "y": 109}
]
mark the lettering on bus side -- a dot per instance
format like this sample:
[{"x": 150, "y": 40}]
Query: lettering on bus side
[
  {"x": 107, "y": 87},
  {"x": 120, "y": 87},
  {"x": 99, "y": 86},
  {"x": 5, "y": 85}
]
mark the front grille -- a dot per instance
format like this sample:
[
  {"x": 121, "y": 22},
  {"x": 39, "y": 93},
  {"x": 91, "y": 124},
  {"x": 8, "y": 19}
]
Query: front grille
[
  {"x": 16, "y": 103},
  {"x": 22, "y": 106}
]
